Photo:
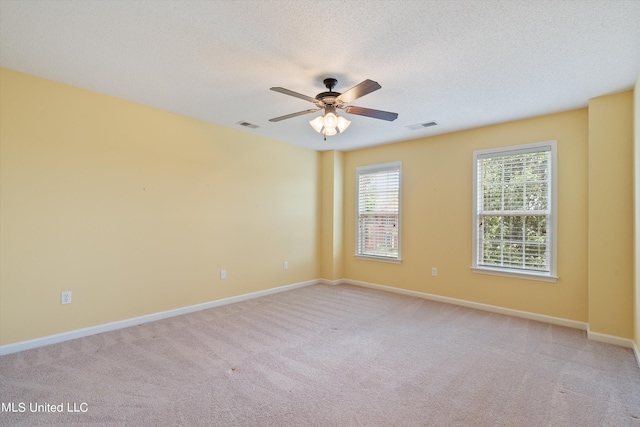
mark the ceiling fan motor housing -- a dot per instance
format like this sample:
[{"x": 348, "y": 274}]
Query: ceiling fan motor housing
[{"x": 329, "y": 98}]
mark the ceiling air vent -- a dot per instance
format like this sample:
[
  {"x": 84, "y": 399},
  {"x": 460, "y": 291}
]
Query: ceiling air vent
[
  {"x": 422, "y": 125},
  {"x": 247, "y": 124}
]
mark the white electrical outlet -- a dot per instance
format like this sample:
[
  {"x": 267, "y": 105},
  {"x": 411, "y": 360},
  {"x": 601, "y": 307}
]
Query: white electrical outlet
[
  {"x": 434, "y": 271},
  {"x": 223, "y": 274},
  {"x": 65, "y": 297},
  {"x": 285, "y": 265}
]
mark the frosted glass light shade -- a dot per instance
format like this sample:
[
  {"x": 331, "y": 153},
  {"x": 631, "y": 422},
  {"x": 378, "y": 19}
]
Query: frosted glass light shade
[
  {"x": 343, "y": 124},
  {"x": 317, "y": 123},
  {"x": 330, "y": 131},
  {"x": 330, "y": 120}
]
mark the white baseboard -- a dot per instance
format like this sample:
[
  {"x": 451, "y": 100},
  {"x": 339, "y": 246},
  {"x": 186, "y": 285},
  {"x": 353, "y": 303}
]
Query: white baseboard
[
  {"x": 610, "y": 339},
  {"x": 636, "y": 351},
  {"x": 476, "y": 305},
  {"x": 79, "y": 333},
  {"x": 330, "y": 282}
]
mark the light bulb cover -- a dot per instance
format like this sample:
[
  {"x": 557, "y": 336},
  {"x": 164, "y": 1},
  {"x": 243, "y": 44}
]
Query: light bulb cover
[
  {"x": 330, "y": 120},
  {"x": 343, "y": 124},
  {"x": 317, "y": 123},
  {"x": 330, "y": 131}
]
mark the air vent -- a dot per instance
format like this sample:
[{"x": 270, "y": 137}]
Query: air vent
[
  {"x": 247, "y": 124},
  {"x": 422, "y": 125}
]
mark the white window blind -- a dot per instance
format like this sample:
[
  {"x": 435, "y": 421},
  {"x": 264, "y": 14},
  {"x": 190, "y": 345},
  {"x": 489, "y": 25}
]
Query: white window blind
[
  {"x": 378, "y": 211},
  {"x": 515, "y": 209}
]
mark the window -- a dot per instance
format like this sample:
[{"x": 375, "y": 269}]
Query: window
[
  {"x": 515, "y": 211},
  {"x": 378, "y": 211}
]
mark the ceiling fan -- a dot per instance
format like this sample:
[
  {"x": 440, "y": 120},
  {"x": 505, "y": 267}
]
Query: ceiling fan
[{"x": 330, "y": 123}]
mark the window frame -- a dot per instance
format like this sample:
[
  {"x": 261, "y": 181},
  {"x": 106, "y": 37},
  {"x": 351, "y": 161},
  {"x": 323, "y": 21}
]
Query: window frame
[
  {"x": 552, "y": 227},
  {"x": 369, "y": 169}
]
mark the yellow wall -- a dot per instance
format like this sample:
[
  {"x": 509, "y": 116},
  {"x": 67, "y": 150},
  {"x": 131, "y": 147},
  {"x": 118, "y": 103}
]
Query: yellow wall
[
  {"x": 136, "y": 210},
  {"x": 332, "y": 226},
  {"x": 611, "y": 215},
  {"x": 436, "y": 217},
  {"x": 636, "y": 122}
]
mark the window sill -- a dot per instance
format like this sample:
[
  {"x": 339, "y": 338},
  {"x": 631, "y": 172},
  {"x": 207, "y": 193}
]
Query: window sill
[
  {"x": 542, "y": 277},
  {"x": 379, "y": 258}
]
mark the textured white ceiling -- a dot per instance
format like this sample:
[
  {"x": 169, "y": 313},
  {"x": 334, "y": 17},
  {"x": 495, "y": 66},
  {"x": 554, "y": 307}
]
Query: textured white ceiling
[{"x": 462, "y": 63}]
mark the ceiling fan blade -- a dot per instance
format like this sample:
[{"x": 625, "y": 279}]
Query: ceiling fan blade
[
  {"x": 299, "y": 113},
  {"x": 368, "y": 112},
  {"x": 296, "y": 94},
  {"x": 361, "y": 89}
]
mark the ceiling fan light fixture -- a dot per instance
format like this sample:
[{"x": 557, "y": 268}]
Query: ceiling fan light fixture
[{"x": 329, "y": 124}]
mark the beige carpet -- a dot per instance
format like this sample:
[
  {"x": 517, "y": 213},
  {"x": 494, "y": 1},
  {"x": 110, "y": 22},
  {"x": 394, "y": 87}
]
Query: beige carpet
[{"x": 327, "y": 356}]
